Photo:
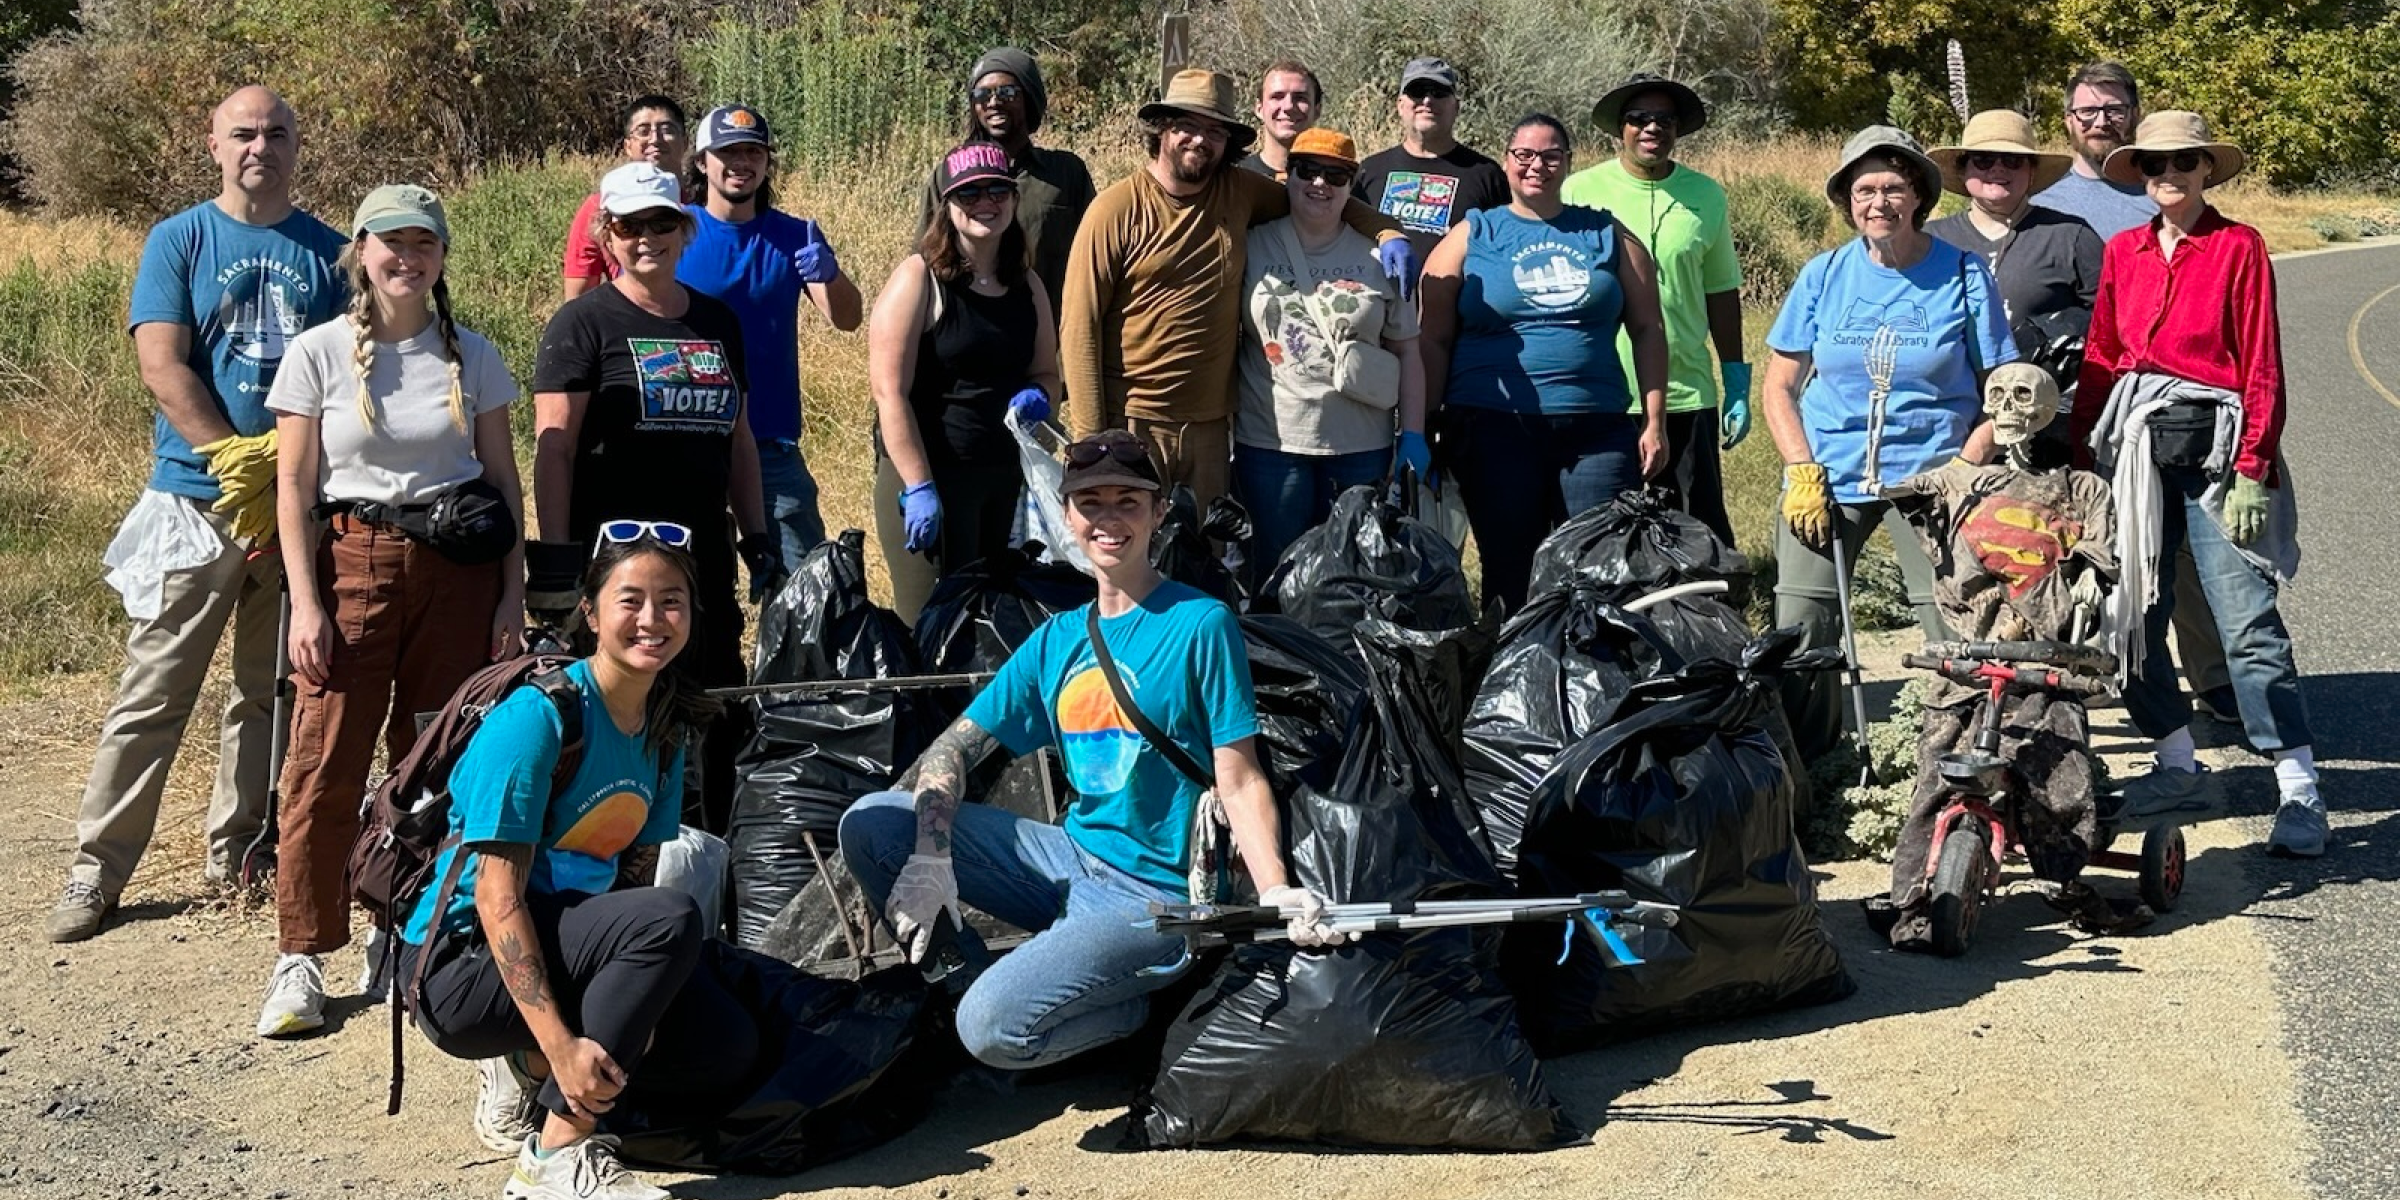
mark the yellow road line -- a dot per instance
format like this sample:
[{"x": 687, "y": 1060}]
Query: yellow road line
[{"x": 2358, "y": 361}]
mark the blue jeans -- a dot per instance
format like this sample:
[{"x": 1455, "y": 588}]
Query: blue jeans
[
  {"x": 1522, "y": 475},
  {"x": 2258, "y": 647},
  {"x": 791, "y": 498},
  {"x": 1289, "y": 494},
  {"x": 1077, "y": 984}
]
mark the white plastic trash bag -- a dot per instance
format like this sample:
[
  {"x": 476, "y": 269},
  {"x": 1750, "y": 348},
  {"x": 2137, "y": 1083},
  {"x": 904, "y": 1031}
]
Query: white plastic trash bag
[
  {"x": 1045, "y": 518},
  {"x": 163, "y": 534},
  {"x": 698, "y": 864}
]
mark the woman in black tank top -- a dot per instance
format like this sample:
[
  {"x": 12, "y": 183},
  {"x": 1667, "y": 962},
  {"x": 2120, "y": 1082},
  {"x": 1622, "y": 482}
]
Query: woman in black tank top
[{"x": 961, "y": 333}]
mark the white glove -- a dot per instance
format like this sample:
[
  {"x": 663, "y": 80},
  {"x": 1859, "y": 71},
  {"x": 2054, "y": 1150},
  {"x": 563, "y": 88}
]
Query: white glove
[
  {"x": 927, "y": 888},
  {"x": 2085, "y": 591},
  {"x": 1307, "y": 928}
]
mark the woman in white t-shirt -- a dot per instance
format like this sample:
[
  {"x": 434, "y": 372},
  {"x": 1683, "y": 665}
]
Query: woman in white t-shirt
[{"x": 379, "y": 415}]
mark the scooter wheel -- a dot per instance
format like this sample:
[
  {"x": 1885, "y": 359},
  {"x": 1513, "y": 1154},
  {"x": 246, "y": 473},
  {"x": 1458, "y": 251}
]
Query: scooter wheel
[
  {"x": 1958, "y": 886},
  {"x": 2162, "y": 867}
]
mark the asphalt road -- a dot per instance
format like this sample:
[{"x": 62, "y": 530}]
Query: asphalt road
[{"x": 2332, "y": 922}]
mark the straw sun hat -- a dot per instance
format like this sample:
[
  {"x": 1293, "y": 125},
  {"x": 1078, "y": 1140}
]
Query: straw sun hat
[
  {"x": 1998, "y": 131},
  {"x": 2165, "y": 133}
]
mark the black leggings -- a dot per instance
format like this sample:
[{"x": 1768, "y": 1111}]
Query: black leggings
[{"x": 620, "y": 966}]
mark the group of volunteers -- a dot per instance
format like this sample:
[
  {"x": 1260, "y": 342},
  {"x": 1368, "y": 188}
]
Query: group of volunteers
[{"x": 1273, "y": 317}]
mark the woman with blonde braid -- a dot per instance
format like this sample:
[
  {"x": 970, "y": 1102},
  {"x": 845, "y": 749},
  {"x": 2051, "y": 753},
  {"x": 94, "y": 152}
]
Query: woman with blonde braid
[{"x": 397, "y": 507}]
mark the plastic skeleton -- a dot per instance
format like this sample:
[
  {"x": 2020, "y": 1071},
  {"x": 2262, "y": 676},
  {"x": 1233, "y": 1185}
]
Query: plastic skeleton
[{"x": 1883, "y": 358}]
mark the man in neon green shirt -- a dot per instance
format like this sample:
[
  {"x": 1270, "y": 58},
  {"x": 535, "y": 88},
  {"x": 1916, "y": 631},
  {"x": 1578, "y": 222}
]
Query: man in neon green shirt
[{"x": 1679, "y": 214}]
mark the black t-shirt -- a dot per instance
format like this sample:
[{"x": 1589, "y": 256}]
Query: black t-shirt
[
  {"x": 1429, "y": 195},
  {"x": 657, "y": 436},
  {"x": 969, "y": 365},
  {"x": 1257, "y": 162}
]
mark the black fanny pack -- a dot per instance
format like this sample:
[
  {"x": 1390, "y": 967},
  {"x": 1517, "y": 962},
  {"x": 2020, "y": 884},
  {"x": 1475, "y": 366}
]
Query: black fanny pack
[
  {"x": 2183, "y": 434},
  {"x": 468, "y": 523}
]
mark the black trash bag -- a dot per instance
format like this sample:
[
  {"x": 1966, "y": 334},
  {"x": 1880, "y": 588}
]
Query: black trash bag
[
  {"x": 812, "y": 757},
  {"x": 1683, "y": 798},
  {"x": 1180, "y": 548},
  {"x": 842, "y": 1066},
  {"x": 978, "y": 615},
  {"x": 1401, "y": 1039},
  {"x": 1370, "y": 559},
  {"x": 1304, "y": 690},
  {"x": 1633, "y": 545}
]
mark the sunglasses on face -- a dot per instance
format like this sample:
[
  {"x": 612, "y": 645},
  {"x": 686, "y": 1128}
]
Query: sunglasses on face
[
  {"x": 625, "y": 533},
  {"x": 1643, "y": 118},
  {"x": 1323, "y": 173},
  {"x": 1003, "y": 94},
  {"x": 1427, "y": 92},
  {"x": 1092, "y": 450},
  {"x": 1526, "y": 158},
  {"x": 637, "y": 227},
  {"x": 2182, "y": 162},
  {"x": 1996, "y": 161},
  {"x": 970, "y": 193}
]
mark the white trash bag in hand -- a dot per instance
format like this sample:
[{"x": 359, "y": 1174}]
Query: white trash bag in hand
[
  {"x": 1045, "y": 515},
  {"x": 162, "y": 535}
]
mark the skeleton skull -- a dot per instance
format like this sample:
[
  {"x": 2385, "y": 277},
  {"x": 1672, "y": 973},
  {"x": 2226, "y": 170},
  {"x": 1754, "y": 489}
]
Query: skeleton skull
[{"x": 2020, "y": 398}]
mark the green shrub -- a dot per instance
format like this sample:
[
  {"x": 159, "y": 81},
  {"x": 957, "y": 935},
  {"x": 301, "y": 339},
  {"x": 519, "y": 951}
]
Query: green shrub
[
  {"x": 1776, "y": 225},
  {"x": 1849, "y": 821},
  {"x": 2334, "y": 228}
]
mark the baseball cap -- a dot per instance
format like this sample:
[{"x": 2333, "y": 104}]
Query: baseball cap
[
  {"x": 1327, "y": 144},
  {"x": 973, "y": 163},
  {"x": 1432, "y": 69},
  {"x": 1109, "y": 458},
  {"x": 639, "y": 186},
  {"x": 731, "y": 125},
  {"x": 396, "y": 206}
]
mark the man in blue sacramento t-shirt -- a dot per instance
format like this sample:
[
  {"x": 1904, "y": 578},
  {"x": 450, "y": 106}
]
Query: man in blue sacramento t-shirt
[
  {"x": 223, "y": 288},
  {"x": 758, "y": 259}
]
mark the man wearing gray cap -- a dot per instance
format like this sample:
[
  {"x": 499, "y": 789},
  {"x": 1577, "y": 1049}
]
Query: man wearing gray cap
[{"x": 1429, "y": 182}]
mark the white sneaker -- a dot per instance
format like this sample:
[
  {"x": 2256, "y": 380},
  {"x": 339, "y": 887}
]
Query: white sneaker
[
  {"x": 583, "y": 1170},
  {"x": 295, "y": 997},
  {"x": 505, "y": 1113},
  {"x": 371, "y": 981}
]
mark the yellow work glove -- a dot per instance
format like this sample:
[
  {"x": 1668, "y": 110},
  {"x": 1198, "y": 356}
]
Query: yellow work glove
[
  {"x": 244, "y": 468},
  {"x": 1807, "y": 507},
  {"x": 2246, "y": 510}
]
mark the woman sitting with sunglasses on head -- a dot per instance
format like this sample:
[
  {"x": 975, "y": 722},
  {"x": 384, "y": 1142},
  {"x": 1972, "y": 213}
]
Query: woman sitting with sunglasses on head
[
  {"x": 1128, "y": 839},
  {"x": 961, "y": 334},
  {"x": 556, "y": 962},
  {"x": 638, "y": 414},
  {"x": 1328, "y": 360}
]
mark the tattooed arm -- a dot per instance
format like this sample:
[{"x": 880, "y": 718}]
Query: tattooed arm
[
  {"x": 940, "y": 775},
  {"x": 585, "y": 1072},
  {"x": 637, "y": 867}
]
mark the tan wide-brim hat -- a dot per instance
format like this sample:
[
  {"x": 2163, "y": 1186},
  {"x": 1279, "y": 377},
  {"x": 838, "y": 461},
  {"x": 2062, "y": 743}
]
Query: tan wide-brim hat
[
  {"x": 2165, "y": 133},
  {"x": 1197, "y": 93},
  {"x": 1999, "y": 131}
]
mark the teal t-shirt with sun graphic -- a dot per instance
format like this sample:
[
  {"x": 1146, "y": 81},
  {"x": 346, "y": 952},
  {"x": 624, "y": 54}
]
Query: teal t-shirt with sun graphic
[
  {"x": 1181, "y": 654},
  {"x": 500, "y": 793}
]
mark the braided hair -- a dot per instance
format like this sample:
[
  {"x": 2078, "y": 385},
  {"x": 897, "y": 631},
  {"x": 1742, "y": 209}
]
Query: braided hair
[{"x": 362, "y": 327}]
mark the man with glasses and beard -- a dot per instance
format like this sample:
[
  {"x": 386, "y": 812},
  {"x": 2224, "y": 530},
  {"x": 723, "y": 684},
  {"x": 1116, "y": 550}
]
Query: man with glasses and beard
[
  {"x": 1429, "y": 182},
  {"x": 762, "y": 261},
  {"x": 1152, "y": 308},
  {"x": 1006, "y": 103}
]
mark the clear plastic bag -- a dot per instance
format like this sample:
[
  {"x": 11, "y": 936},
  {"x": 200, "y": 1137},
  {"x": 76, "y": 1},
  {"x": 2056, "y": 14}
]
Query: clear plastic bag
[
  {"x": 698, "y": 863},
  {"x": 163, "y": 534},
  {"x": 1045, "y": 510}
]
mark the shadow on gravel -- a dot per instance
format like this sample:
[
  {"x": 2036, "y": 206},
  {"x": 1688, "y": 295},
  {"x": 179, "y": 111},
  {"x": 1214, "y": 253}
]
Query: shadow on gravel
[{"x": 2351, "y": 715}]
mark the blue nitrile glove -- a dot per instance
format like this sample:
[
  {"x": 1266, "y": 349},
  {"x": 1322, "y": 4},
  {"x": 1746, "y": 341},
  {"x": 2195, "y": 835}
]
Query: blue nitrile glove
[
  {"x": 921, "y": 511},
  {"x": 1032, "y": 406},
  {"x": 1736, "y": 413},
  {"x": 1399, "y": 261},
  {"x": 1417, "y": 456},
  {"x": 814, "y": 263}
]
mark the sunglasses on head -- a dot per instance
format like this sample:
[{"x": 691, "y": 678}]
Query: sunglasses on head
[
  {"x": 972, "y": 192},
  {"x": 634, "y": 227},
  {"x": 1328, "y": 174},
  {"x": 625, "y": 533},
  {"x": 1993, "y": 160},
  {"x": 1091, "y": 450},
  {"x": 1427, "y": 91},
  {"x": 1003, "y": 93},
  {"x": 1643, "y": 118},
  {"x": 2182, "y": 162}
]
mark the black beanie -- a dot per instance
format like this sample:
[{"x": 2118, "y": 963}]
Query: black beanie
[{"x": 1009, "y": 60}]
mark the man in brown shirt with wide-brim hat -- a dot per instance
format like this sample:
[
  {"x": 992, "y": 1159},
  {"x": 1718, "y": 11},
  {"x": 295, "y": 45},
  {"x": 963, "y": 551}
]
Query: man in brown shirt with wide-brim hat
[{"x": 1152, "y": 308}]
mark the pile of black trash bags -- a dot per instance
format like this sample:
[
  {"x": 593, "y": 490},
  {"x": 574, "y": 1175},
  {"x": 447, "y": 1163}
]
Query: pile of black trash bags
[{"x": 1589, "y": 743}]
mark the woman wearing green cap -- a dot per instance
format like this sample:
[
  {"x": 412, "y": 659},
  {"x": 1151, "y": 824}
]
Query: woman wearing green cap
[{"x": 378, "y": 415}]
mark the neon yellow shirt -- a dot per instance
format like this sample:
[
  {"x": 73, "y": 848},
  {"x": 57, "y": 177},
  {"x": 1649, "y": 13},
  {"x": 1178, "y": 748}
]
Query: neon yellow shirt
[{"x": 1681, "y": 221}]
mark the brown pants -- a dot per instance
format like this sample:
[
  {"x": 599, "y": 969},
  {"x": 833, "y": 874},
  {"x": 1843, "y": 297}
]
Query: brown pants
[
  {"x": 408, "y": 627},
  {"x": 1196, "y": 454}
]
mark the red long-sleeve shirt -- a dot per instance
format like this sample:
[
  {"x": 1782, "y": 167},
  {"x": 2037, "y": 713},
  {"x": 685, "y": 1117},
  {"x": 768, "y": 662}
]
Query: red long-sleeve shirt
[{"x": 2206, "y": 315}]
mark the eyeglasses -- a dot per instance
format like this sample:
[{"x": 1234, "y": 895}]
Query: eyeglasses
[
  {"x": 970, "y": 193},
  {"x": 1004, "y": 94},
  {"x": 625, "y": 533},
  {"x": 2183, "y": 162},
  {"x": 659, "y": 130},
  {"x": 1424, "y": 93},
  {"x": 1643, "y": 118},
  {"x": 1896, "y": 191},
  {"x": 1198, "y": 131},
  {"x": 1992, "y": 160},
  {"x": 1324, "y": 173},
  {"x": 638, "y": 227},
  {"x": 2113, "y": 114},
  {"x": 1091, "y": 450},
  {"x": 1526, "y": 158}
]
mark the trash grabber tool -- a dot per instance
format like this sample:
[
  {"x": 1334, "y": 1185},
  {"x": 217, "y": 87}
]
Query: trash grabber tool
[{"x": 1852, "y": 680}]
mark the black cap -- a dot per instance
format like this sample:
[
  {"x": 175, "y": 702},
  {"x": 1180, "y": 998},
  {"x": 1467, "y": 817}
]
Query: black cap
[{"x": 1109, "y": 458}]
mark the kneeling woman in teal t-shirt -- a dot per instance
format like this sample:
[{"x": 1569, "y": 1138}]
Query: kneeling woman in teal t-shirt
[{"x": 1127, "y": 841}]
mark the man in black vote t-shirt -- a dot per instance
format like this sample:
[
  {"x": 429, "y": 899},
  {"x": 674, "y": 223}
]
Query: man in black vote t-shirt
[{"x": 1429, "y": 182}]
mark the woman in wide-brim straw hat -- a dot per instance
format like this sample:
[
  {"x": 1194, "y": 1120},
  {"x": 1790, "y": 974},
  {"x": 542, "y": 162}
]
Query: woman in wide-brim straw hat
[
  {"x": 2182, "y": 401},
  {"x": 2046, "y": 262}
]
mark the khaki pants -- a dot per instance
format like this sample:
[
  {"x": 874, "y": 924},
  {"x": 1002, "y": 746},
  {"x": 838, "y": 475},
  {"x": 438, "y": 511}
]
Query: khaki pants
[
  {"x": 409, "y": 626},
  {"x": 166, "y": 661},
  {"x": 1196, "y": 454},
  {"x": 2197, "y": 646}
]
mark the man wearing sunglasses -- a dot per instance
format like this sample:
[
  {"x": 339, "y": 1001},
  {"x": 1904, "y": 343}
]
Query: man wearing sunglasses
[
  {"x": 1680, "y": 216},
  {"x": 2103, "y": 107},
  {"x": 1006, "y": 103},
  {"x": 763, "y": 263},
  {"x": 1288, "y": 96},
  {"x": 1429, "y": 182}
]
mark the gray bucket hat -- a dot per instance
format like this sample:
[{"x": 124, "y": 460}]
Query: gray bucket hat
[{"x": 1897, "y": 144}]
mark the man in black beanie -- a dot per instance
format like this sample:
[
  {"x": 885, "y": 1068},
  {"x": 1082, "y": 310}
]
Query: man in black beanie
[{"x": 1005, "y": 106}]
